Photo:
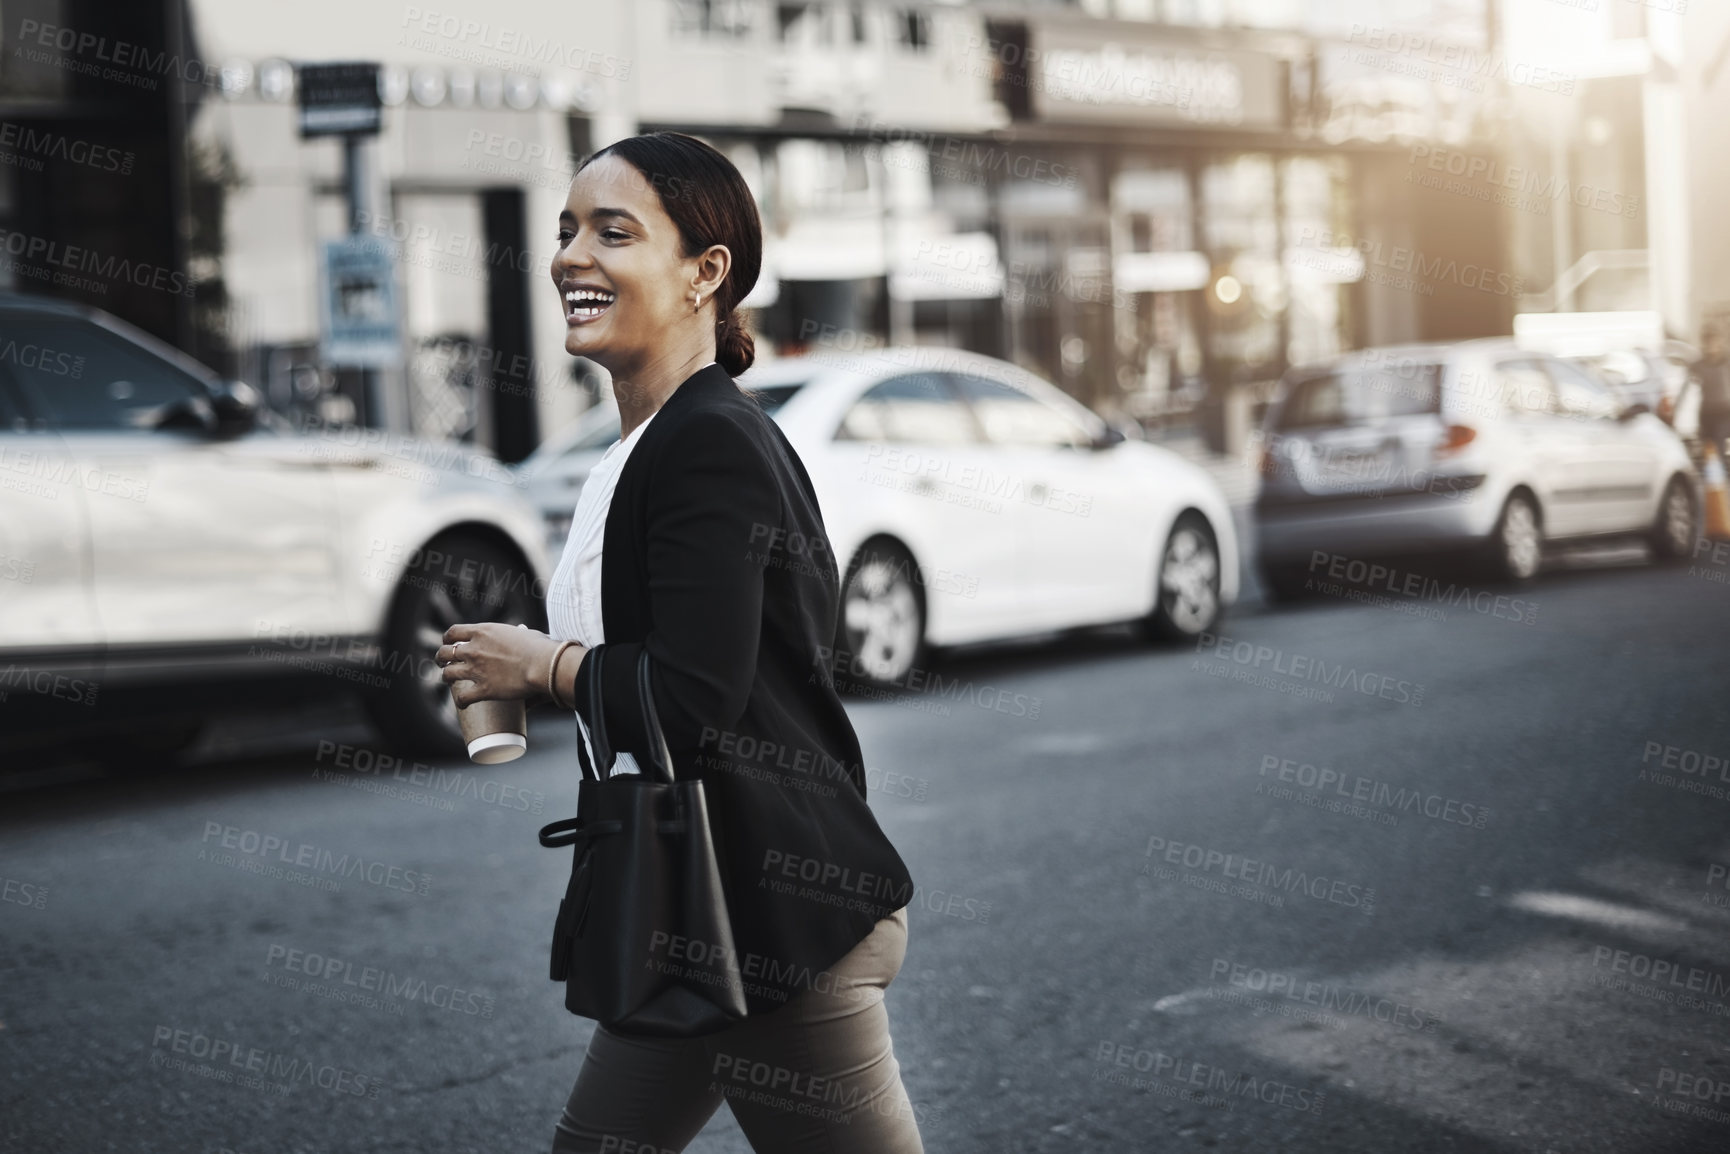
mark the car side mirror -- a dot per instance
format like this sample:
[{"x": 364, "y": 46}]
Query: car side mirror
[
  {"x": 189, "y": 414},
  {"x": 236, "y": 404},
  {"x": 1111, "y": 435}
]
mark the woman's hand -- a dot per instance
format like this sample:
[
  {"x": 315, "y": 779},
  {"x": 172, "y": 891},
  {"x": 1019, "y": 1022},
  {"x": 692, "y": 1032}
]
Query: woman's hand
[{"x": 498, "y": 662}]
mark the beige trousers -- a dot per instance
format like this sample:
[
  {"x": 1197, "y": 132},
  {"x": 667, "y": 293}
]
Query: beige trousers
[{"x": 817, "y": 1076}]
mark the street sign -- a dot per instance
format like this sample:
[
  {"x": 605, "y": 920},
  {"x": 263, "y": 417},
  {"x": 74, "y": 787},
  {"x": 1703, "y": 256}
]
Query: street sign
[
  {"x": 339, "y": 99},
  {"x": 358, "y": 311}
]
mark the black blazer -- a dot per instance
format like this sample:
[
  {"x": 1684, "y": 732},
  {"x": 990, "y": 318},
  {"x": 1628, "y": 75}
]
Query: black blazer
[{"x": 715, "y": 561}]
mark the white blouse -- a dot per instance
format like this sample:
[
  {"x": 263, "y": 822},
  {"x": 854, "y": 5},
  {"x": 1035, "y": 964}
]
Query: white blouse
[{"x": 574, "y": 594}]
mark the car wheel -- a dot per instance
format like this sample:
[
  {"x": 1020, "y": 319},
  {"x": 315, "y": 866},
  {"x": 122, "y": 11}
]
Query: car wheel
[
  {"x": 880, "y": 634},
  {"x": 1187, "y": 600},
  {"x": 465, "y": 579},
  {"x": 1678, "y": 524},
  {"x": 1516, "y": 547}
]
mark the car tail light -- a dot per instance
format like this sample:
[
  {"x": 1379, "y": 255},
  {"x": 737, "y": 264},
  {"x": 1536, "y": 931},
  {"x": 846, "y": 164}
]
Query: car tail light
[{"x": 1455, "y": 438}]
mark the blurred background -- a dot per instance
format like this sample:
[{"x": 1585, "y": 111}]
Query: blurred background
[
  {"x": 1272, "y": 429},
  {"x": 937, "y": 175}
]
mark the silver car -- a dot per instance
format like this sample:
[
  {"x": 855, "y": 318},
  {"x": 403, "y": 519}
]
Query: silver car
[{"x": 1478, "y": 448}]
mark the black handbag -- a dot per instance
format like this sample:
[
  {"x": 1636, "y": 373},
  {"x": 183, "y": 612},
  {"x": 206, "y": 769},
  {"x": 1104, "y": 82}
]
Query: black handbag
[{"x": 643, "y": 941}]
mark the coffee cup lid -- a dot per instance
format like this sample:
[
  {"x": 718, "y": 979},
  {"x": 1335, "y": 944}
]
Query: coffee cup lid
[{"x": 492, "y": 748}]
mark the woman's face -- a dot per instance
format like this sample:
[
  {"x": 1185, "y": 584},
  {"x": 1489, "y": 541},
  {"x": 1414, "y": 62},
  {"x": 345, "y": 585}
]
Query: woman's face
[{"x": 622, "y": 277}]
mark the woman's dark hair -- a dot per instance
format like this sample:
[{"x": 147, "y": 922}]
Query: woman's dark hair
[{"x": 710, "y": 203}]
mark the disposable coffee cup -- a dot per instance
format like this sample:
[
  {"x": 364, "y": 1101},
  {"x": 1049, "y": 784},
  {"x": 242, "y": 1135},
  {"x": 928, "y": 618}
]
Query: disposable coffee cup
[{"x": 494, "y": 730}]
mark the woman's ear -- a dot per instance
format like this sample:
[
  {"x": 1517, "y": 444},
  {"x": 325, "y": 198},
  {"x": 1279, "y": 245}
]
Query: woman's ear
[{"x": 713, "y": 264}]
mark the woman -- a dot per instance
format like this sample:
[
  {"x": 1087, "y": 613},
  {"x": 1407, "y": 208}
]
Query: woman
[{"x": 679, "y": 547}]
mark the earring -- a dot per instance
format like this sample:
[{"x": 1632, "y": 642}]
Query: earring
[{"x": 696, "y": 300}]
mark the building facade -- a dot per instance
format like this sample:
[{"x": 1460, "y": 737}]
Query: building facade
[
  {"x": 96, "y": 181},
  {"x": 1158, "y": 206},
  {"x": 1624, "y": 206},
  {"x": 1152, "y": 206},
  {"x": 483, "y": 113}
]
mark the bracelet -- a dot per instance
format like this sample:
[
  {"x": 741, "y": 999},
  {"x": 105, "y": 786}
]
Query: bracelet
[{"x": 553, "y": 668}]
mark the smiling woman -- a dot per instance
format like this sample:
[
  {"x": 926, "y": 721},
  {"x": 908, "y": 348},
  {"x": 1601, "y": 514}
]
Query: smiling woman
[
  {"x": 625, "y": 288},
  {"x": 715, "y": 647}
]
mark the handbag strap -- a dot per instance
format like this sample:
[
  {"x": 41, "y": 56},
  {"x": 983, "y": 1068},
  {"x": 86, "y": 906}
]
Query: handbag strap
[
  {"x": 601, "y": 752},
  {"x": 660, "y": 755},
  {"x": 571, "y": 830}
]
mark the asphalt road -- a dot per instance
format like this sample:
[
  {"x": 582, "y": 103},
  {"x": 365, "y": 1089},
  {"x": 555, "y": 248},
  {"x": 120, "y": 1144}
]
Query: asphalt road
[{"x": 1169, "y": 900}]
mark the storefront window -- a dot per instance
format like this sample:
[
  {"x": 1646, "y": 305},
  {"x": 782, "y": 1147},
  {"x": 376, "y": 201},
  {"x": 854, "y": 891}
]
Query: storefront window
[
  {"x": 712, "y": 18},
  {"x": 1057, "y": 250},
  {"x": 1315, "y": 206},
  {"x": 1246, "y": 295},
  {"x": 807, "y": 25},
  {"x": 1153, "y": 206},
  {"x": 823, "y": 175},
  {"x": 442, "y": 302},
  {"x": 1161, "y": 276}
]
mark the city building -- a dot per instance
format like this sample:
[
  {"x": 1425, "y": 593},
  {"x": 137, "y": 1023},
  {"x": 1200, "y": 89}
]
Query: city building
[
  {"x": 484, "y": 111},
  {"x": 1151, "y": 205},
  {"x": 96, "y": 179},
  {"x": 1158, "y": 205},
  {"x": 1623, "y": 212}
]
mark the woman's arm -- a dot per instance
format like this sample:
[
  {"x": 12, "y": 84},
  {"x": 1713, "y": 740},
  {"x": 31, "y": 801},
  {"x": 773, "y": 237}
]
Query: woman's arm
[{"x": 710, "y": 498}]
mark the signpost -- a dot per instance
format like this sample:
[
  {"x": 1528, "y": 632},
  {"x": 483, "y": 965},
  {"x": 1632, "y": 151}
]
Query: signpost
[
  {"x": 358, "y": 310},
  {"x": 339, "y": 100}
]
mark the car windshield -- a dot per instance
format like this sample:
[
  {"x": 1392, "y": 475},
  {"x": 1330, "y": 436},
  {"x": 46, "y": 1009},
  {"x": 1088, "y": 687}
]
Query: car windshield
[{"x": 1363, "y": 394}]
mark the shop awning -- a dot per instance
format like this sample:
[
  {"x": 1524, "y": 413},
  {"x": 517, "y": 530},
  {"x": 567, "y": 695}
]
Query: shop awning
[{"x": 930, "y": 264}]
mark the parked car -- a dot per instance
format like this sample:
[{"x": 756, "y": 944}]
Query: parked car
[
  {"x": 1478, "y": 447},
  {"x": 552, "y": 476},
  {"x": 174, "y": 530},
  {"x": 967, "y": 500}
]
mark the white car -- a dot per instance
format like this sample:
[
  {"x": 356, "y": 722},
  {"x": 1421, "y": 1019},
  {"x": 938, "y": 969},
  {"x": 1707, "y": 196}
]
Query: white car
[
  {"x": 553, "y": 475},
  {"x": 1479, "y": 448},
  {"x": 967, "y": 500},
  {"x": 159, "y": 528}
]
